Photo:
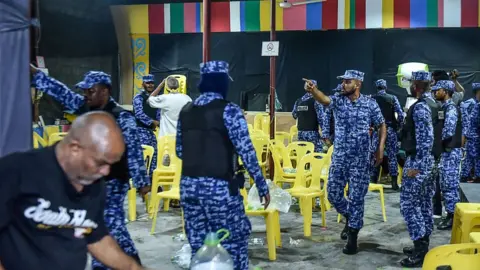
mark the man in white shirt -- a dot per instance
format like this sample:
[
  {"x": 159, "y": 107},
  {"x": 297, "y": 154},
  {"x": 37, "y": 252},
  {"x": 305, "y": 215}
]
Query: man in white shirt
[{"x": 170, "y": 105}]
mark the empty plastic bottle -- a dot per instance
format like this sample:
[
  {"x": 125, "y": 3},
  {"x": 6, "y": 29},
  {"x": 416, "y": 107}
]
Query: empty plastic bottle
[{"x": 212, "y": 256}]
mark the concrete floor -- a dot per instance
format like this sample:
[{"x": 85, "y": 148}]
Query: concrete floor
[{"x": 380, "y": 243}]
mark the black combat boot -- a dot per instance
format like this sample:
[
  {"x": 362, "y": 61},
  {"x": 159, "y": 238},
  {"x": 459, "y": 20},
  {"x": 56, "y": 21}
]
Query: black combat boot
[
  {"x": 409, "y": 250},
  {"x": 416, "y": 258},
  {"x": 344, "y": 233},
  {"x": 395, "y": 183},
  {"x": 464, "y": 179},
  {"x": 351, "y": 246},
  {"x": 446, "y": 223}
]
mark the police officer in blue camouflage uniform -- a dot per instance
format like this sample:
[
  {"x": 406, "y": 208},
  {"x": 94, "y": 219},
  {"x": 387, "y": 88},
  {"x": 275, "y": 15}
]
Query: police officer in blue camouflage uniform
[
  {"x": 452, "y": 154},
  {"x": 211, "y": 134},
  {"x": 97, "y": 88},
  {"x": 415, "y": 199},
  {"x": 309, "y": 115},
  {"x": 471, "y": 160},
  {"x": 147, "y": 118},
  {"x": 389, "y": 105},
  {"x": 354, "y": 115},
  {"x": 328, "y": 121}
]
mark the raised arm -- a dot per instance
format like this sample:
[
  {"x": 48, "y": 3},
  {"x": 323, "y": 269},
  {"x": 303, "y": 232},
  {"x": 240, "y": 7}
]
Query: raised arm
[
  {"x": 238, "y": 133},
  {"x": 317, "y": 94},
  {"x": 58, "y": 91},
  {"x": 136, "y": 164}
]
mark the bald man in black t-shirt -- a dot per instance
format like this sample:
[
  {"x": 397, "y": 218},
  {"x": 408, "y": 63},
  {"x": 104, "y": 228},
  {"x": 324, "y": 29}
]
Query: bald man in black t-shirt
[{"x": 51, "y": 202}]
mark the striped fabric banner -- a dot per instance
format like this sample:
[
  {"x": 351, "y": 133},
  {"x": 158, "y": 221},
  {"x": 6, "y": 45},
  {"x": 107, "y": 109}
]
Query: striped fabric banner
[{"x": 254, "y": 15}]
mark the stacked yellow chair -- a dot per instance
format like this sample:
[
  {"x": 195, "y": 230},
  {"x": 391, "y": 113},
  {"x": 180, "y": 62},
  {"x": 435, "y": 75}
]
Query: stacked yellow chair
[
  {"x": 132, "y": 192},
  {"x": 454, "y": 257},
  {"x": 56, "y": 137},
  {"x": 465, "y": 221},
  {"x": 38, "y": 141}
]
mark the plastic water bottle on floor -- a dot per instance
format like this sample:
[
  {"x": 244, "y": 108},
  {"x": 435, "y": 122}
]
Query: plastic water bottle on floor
[{"x": 212, "y": 256}]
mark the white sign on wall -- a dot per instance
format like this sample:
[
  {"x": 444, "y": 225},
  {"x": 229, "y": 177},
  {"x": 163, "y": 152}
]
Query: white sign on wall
[{"x": 270, "y": 48}]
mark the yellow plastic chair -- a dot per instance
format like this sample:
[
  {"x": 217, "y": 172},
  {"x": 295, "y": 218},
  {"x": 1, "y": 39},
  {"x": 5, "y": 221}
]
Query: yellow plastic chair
[
  {"x": 457, "y": 257},
  {"x": 172, "y": 194},
  {"x": 465, "y": 221},
  {"x": 50, "y": 129},
  {"x": 372, "y": 187},
  {"x": 56, "y": 137},
  {"x": 132, "y": 192},
  {"x": 293, "y": 133},
  {"x": 272, "y": 222},
  {"x": 163, "y": 176},
  {"x": 38, "y": 141},
  {"x": 307, "y": 194},
  {"x": 296, "y": 150},
  {"x": 324, "y": 175}
]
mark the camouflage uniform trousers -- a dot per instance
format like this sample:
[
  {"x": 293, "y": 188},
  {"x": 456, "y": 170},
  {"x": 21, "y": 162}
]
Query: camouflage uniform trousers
[{"x": 450, "y": 178}]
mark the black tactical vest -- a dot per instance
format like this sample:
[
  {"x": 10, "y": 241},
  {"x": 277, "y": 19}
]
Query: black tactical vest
[
  {"x": 306, "y": 115},
  {"x": 149, "y": 111},
  {"x": 456, "y": 140},
  {"x": 120, "y": 169},
  {"x": 386, "y": 103},
  {"x": 206, "y": 147},
  {"x": 408, "y": 140},
  {"x": 438, "y": 118}
]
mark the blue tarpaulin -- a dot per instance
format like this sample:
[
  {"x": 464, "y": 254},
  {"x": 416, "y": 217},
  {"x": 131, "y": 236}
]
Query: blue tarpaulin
[{"x": 15, "y": 95}]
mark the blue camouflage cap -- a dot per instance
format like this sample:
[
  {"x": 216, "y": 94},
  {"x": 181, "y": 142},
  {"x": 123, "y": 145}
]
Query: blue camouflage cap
[
  {"x": 444, "y": 84},
  {"x": 351, "y": 74},
  {"x": 421, "y": 76},
  {"x": 381, "y": 83},
  {"x": 214, "y": 67},
  {"x": 92, "y": 78},
  {"x": 475, "y": 86},
  {"x": 148, "y": 78}
]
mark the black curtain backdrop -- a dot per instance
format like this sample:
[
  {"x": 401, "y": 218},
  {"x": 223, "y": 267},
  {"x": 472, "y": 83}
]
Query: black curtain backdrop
[{"x": 319, "y": 55}]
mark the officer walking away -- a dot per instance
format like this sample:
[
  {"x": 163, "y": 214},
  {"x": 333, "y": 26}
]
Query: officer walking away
[
  {"x": 52, "y": 202},
  {"x": 211, "y": 134},
  {"x": 328, "y": 121},
  {"x": 471, "y": 160},
  {"x": 415, "y": 201},
  {"x": 354, "y": 115},
  {"x": 389, "y": 105},
  {"x": 147, "y": 118},
  {"x": 452, "y": 154},
  {"x": 309, "y": 114},
  {"x": 97, "y": 87}
]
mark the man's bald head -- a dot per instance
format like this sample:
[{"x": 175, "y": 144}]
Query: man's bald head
[
  {"x": 93, "y": 143},
  {"x": 96, "y": 129}
]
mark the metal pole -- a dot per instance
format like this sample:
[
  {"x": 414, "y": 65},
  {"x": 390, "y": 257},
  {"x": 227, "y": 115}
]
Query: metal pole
[
  {"x": 272, "y": 82},
  {"x": 206, "y": 30}
]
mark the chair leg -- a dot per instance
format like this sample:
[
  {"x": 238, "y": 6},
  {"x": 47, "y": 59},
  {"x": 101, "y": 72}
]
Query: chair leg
[
  {"x": 323, "y": 206},
  {"x": 382, "y": 202},
  {"x": 278, "y": 235},
  {"x": 307, "y": 216},
  {"x": 183, "y": 223},
  {"x": 132, "y": 204},
  {"x": 155, "y": 214},
  {"x": 269, "y": 221},
  {"x": 166, "y": 206}
]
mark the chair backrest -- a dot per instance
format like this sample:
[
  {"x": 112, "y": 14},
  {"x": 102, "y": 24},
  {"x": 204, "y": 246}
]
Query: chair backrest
[
  {"x": 282, "y": 136},
  {"x": 261, "y": 121},
  {"x": 304, "y": 171},
  {"x": 147, "y": 156},
  {"x": 166, "y": 146},
  {"x": 282, "y": 152},
  {"x": 56, "y": 137},
  {"x": 293, "y": 133},
  {"x": 260, "y": 143},
  {"x": 296, "y": 150},
  {"x": 319, "y": 163},
  {"x": 456, "y": 256}
]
